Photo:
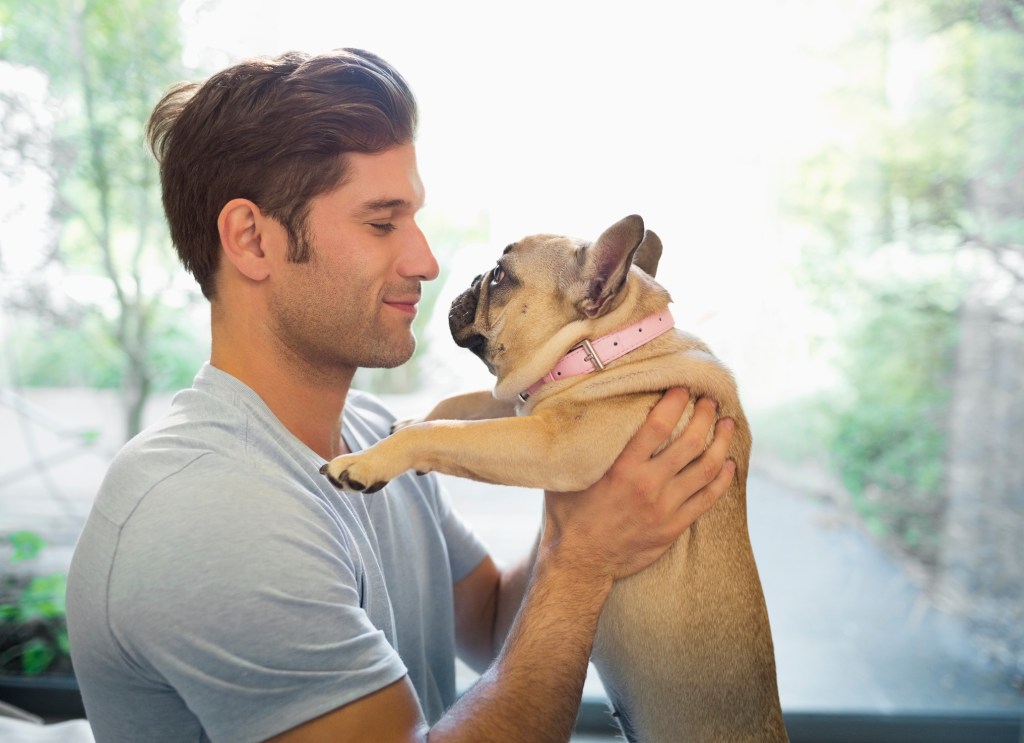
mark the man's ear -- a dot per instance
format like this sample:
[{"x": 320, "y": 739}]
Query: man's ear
[{"x": 240, "y": 225}]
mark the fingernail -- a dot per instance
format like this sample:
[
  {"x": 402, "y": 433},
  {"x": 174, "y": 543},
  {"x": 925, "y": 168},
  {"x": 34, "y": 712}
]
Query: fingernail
[{"x": 729, "y": 423}]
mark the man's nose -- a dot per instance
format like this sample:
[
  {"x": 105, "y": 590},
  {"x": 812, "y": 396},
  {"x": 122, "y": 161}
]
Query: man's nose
[{"x": 417, "y": 260}]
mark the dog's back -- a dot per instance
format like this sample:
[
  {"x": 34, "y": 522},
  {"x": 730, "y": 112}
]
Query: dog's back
[{"x": 684, "y": 648}]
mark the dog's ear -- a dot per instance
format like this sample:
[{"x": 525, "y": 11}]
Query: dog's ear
[
  {"x": 648, "y": 254},
  {"x": 606, "y": 263}
]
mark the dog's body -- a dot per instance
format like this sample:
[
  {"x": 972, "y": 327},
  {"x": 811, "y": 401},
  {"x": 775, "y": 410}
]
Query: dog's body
[{"x": 684, "y": 648}]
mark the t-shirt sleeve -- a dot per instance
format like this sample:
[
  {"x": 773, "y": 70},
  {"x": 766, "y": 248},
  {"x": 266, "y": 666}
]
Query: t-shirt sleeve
[{"x": 279, "y": 569}]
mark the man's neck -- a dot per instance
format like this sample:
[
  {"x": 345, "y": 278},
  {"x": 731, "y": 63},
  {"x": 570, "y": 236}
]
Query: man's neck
[{"x": 308, "y": 404}]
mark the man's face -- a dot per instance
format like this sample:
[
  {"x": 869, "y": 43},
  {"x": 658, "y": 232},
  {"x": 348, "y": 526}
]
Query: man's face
[{"x": 352, "y": 304}]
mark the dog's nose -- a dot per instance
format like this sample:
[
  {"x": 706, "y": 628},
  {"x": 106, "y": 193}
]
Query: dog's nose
[{"x": 462, "y": 314}]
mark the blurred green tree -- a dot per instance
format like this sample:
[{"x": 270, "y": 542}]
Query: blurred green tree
[
  {"x": 922, "y": 170},
  {"x": 105, "y": 63},
  {"x": 914, "y": 211}
]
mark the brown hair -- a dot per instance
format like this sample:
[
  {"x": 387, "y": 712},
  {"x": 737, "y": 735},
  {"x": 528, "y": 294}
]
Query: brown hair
[{"x": 274, "y": 131}]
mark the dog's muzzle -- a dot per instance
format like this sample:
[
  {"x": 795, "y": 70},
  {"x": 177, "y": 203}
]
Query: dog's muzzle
[{"x": 462, "y": 320}]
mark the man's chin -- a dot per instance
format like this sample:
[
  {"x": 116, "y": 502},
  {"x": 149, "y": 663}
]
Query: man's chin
[{"x": 392, "y": 357}]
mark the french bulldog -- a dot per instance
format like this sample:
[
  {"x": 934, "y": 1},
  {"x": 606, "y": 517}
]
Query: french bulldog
[{"x": 582, "y": 345}]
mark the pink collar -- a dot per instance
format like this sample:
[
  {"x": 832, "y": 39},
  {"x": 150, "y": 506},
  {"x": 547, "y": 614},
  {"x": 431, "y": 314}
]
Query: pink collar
[{"x": 588, "y": 356}]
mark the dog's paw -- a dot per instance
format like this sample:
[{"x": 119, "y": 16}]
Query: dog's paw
[{"x": 349, "y": 472}]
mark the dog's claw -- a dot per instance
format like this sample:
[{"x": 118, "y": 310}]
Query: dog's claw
[
  {"x": 336, "y": 482},
  {"x": 344, "y": 481}
]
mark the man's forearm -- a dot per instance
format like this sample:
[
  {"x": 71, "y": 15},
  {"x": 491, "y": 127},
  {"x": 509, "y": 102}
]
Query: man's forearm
[
  {"x": 532, "y": 691},
  {"x": 511, "y": 590}
]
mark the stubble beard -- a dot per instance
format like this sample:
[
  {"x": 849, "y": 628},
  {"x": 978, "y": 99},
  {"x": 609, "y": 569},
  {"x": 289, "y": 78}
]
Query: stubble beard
[
  {"x": 330, "y": 338},
  {"x": 336, "y": 339}
]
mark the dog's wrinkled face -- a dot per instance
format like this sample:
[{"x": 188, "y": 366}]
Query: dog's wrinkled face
[
  {"x": 543, "y": 284},
  {"x": 527, "y": 294}
]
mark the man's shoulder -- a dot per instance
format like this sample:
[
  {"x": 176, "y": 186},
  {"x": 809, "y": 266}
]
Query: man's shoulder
[
  {"x": 199, "y": 455},
  {"x": 183, "y": 436}
]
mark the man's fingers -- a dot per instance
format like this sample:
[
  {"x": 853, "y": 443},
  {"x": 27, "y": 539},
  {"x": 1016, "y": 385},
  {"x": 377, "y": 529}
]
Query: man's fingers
[
  {"x": 657, "y": 428},
  {"x": 697, "y": 504},
  {"x": 693, "y": 439},
  {"x": 711, "y": 461},
  {"x": 703, "y": 469}
]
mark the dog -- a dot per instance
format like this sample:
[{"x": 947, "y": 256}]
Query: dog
[{"x": 582, "y": 345}]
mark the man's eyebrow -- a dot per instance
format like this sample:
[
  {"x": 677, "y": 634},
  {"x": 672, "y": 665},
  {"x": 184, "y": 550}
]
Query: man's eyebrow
[{"x": 382, "y": 205}]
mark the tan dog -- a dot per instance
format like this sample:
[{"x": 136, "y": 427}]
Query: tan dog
[{"x": 684, "y": 648}]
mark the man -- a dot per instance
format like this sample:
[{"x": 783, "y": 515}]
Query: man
[{"x": 222, "y": 589}]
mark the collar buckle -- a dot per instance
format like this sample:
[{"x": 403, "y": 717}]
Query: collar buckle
[{"x": 591, "y": 354}]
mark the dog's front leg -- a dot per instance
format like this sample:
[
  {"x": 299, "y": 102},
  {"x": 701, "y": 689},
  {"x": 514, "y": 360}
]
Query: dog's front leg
[
  {"x": 535, "y": 451},
  {"x": 470, "y": 406}
]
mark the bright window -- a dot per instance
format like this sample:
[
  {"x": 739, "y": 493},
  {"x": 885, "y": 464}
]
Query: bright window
[{"x": 840, "y": 190}]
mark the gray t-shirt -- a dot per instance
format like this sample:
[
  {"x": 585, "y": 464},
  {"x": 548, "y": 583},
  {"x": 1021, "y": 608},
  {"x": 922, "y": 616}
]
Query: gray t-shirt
[{"x": 222, "y": 589}]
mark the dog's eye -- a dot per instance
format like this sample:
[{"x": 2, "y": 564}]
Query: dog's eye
[{"x": 497, "y": 275}]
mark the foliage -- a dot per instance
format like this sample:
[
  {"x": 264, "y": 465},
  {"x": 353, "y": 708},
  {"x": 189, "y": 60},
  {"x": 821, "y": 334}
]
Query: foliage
[
  {"x": 33, "y": 626},
  {"x": 114, "y": 61},
  {"x": 25, "y": 545},
  {"x": 925, "y": 161},
  {"x": 889, "y": 432},
  {"x": 83, "y": 354},
  {"x": 883, "y": 431}
]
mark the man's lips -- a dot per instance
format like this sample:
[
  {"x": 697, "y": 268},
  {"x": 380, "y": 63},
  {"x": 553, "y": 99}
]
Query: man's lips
[{"x": 403, "y": 304}]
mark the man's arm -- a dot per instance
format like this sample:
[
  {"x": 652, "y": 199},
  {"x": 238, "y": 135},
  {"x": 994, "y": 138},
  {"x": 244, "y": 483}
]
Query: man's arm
[
  {"x": 615, "y": 528},
  {"x": 486, "y": 603}
]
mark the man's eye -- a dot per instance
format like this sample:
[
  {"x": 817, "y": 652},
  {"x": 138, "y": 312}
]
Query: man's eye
[{"x": 383, "y": 228}]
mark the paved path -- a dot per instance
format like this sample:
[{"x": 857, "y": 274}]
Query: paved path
[{"x": 853, "y": 630}]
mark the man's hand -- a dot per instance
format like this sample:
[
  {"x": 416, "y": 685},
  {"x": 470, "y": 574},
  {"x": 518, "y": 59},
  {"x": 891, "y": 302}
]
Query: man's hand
[{"x": 631, "y": 516}]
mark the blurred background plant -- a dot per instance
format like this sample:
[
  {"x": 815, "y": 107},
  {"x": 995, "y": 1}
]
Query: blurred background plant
[{"x": 33, "y": 627}]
